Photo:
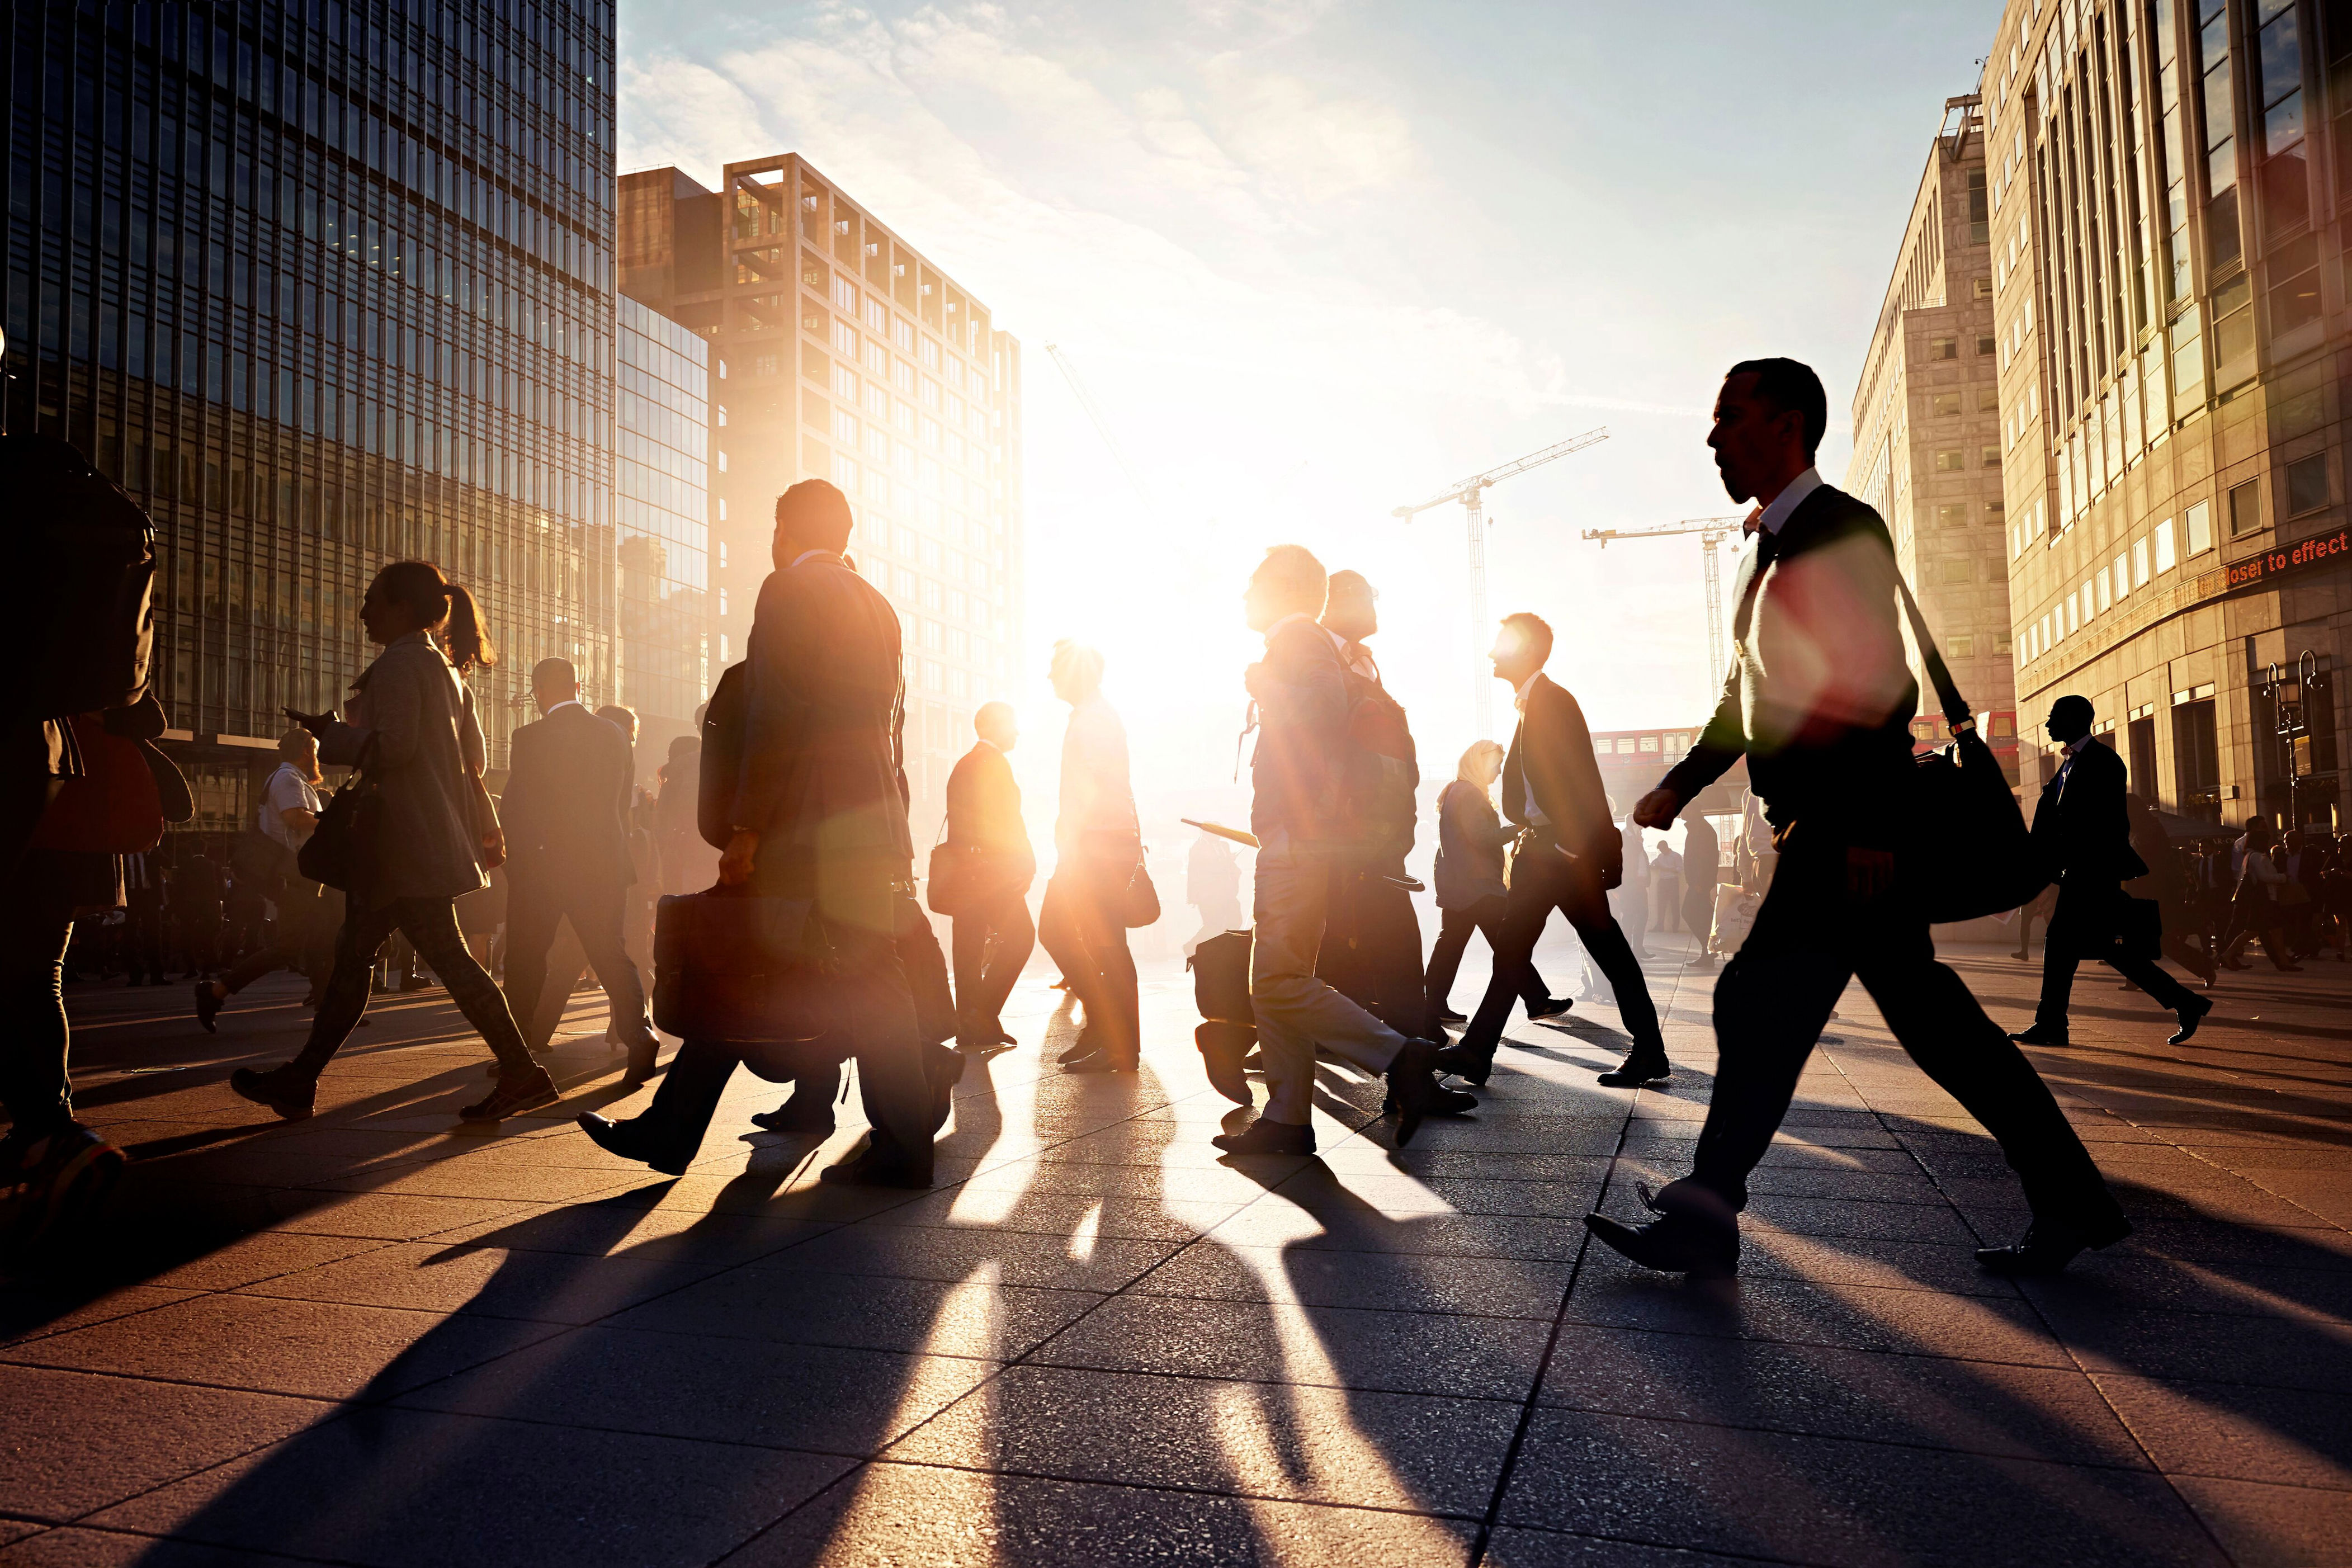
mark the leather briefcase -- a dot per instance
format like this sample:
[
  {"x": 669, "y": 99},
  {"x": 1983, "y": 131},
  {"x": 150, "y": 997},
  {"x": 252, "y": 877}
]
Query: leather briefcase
[{"x": 737, "y": 967}]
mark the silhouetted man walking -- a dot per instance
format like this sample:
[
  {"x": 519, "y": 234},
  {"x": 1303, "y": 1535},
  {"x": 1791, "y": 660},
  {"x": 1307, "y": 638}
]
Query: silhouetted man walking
[
  {"x": 2083, "y": 835},
  {"x": 993, "y": 935},
  {"x": 1820, "y": 700}
]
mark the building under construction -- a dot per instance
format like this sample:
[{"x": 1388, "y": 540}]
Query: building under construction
[{"x": 838, "y": 352}]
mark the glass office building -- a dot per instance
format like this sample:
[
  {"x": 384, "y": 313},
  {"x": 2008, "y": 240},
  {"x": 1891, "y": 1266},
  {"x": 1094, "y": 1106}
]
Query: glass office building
[
  {"x": 324, "y": 285},
  {"x": 661, "y": 483}
]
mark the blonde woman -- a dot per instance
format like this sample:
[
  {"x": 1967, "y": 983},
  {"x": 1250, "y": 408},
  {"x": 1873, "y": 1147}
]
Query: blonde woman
[{"x": 1470, "y": 842}]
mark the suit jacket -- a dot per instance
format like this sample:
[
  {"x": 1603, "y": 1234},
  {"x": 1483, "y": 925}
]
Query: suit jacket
[
  {"x": 1551, "y": 767},
  {"x": 566, "y": 804},
  {"x": 1820, "y": 696},
  {"x": 1302, "y": 709},
  {"x": 2081, "y": 831},
  {"x": 820, "y": 776},
  {"x": 984, "y": 805}
]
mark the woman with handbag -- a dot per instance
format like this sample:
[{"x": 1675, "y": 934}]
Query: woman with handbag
[
  {"x": 1098, "y": 886},
  {"x": 2254, "y": 911},
  {"x": 428, "y": 834}
]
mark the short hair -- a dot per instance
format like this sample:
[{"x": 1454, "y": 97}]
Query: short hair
[
  {"x": 1294, "y": 570},
  {"x": 988, "y": 713},
  {"x": 553, "y": 672},
  {"x": 1081, "y": 659},
  {"x": 1534, "y": 629},
  {"x": 620, "y": 717},
  {"x": 295, "y": 742},
  {"x": 1791, "y": 386},
  {"x": 684, "y": 746},
  {"x": 815, "y": 511},
  {"x": 2071, "y": 706}
]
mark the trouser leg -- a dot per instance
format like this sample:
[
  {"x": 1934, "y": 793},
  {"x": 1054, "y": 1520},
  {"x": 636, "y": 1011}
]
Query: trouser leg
[
  {"x": 356, "y": 944},
  {"x": 968, "y": 939},
  {"x": 987, "y": 966},
  {"x": 877, "y": 1012},
  {"x": 2058, "y": 967},
  {"x": 690, "y": 1093},
  {"x": 1605, "y": 941},
  {"x": 431, "y": 927},
  {"x": 926, "y": 969},
  {"x": 254, "y": 965},
  {"x": 1769, "y": 1011},
  {"x": 1454, "y": 929},
  {"x": 1526, "y": 908},
  {"x": 1937, "y": 1020},
  {"x": 1698, "y": 912},
  {"x": 1294, "y": 1011},
  {"x": 596, "y": 916},
  {"x": 532, "y": 913},
  {"x": 33, "y": 1084},
  {"x": 1490, "y": 913},
  {"x": 2149, "y": 976},
  {"x": 1122, "y": 993},
  {"x": 1057, "y": 929}
]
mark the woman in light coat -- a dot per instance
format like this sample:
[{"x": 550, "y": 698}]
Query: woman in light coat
[{"x": 414, "y": 737}]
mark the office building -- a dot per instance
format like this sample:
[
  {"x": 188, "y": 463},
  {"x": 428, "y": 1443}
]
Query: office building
[
  {"x": 841, "y": 353},
  {"x": 662, "y": 509},
  {"x": 1926, "y": 447},
  {"x": 2168, "y": 183},
  {"x": 324, "y": 286}
]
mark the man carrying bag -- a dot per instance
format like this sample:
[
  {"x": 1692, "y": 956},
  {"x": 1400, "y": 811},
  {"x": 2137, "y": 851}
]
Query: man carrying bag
[{"x": 1819, "y": 701}]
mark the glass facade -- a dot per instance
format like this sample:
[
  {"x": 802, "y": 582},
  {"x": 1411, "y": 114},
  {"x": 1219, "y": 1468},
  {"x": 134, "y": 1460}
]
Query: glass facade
[
  {"x": 662, "y": 504},
  {"x": 325, "y": 285}
]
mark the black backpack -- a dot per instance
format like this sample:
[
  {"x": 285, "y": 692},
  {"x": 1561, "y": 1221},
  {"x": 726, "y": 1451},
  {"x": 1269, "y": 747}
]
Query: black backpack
[{"x": 89, "y": 642}]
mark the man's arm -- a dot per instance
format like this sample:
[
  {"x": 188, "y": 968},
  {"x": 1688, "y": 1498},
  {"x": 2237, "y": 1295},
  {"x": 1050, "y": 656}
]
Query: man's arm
[
  {"x": 1576, "y": 771},
  {"x": 1723, "y": 743}
]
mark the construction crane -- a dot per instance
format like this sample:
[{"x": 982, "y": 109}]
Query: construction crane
[
  {"x": 1102, "y": 427},
  {"x": 1711, "y": 532},
  {"x": 1467, "y": 491}
]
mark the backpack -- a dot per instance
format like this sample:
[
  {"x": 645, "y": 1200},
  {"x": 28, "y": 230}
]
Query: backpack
[
  {"x": 1380, "y": 772},
  {"x": 89, "y": 643}
]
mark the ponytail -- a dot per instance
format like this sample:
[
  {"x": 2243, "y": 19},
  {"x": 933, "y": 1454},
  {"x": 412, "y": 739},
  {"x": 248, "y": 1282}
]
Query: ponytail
[{"x": 442, "y": 607}]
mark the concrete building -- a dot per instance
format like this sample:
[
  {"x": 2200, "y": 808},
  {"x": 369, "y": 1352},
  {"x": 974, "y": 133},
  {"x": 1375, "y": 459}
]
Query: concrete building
[
  {"x": 841, "y": 353},
  {"x": 1927, "y": 446},
  {"x": 2166, "y": 184},
  {"x": 662, "y": 508},
  {"x": 323, "y": 287}
]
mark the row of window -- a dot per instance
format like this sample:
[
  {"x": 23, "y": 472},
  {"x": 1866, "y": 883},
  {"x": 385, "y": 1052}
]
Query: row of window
[{"x": 2134, "y": 566}]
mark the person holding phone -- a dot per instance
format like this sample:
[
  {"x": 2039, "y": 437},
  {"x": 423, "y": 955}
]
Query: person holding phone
[{"x": 416, "y": 736}]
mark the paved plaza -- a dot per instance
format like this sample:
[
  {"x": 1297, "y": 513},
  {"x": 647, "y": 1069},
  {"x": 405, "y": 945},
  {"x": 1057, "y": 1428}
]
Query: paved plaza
[{"x": 379, "y": 1338}]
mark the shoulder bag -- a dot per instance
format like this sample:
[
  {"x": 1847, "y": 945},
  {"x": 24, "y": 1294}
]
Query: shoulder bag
[{"x": 1968, "y": 853}]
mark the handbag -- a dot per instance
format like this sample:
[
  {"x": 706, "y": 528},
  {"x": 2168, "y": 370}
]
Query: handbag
[
  {"x": 340, "y": 852},
  {"x": 949, "y": 888},
  {"x": 112, "y": 806},
  {"x": 1139, "y": 901},
  {"x": 734, "y": 966},
  {"x": 1968, "y": 854}
]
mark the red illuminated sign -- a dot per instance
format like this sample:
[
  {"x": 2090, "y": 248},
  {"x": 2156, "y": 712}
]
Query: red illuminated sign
[{"x": 2289, "y": 560}]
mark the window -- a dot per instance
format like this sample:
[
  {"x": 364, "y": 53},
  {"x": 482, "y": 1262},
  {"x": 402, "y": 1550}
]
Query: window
[
  {"x": 2278, "y": 89},
  {"x": 2197, "y": 524},
  {"x": 1964, "y": 648},
  {"x": 844, "y": 383},
  {"x": 2073, "y": 608},
  {"x": 2122, "y": 574},
  {"x": 1943, "y": 404},
  {"x": 1987, "y": 345},
  {"x": 2222, "y": 243},
  {"x": 2295, "y": 285},
  {"x": 844, "y": 296},
  {"x": 1995, "y": 509},
  {"x": 2140, "y": 562},
  {"x": 845, "y": 340},
  {"x": 1942, "y": 348},
  {"x": 845, "y": 428},
  {"x": 1983, "y": 287},
  {"x": 1951, "y": 461},
  {"x": 1953, "y": 572},
  {"x": 1987, "y": 399},
  {"x": 2245, "y": 509},
  {"x": 1991, "y": 456},
  {"x": 2107, "y": 592},
  {"x": 877, "y": 315},
  {"x": 1952, "y": 514},
  {"x": 2165, "y": 558},
  {"x": 2307, "y": 484},
  {"x": 2233, "y": 332},
  {"x": 1649, "y": 742}
]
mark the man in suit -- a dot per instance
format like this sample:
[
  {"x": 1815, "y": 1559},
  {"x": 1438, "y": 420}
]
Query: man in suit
[
  {"x": 1302, "y": 828},
  {"x": 989, "y": 845},
  {"x": 1571, "y": 854},
  {"x": 1820, "y": 700},
  {"x": 814, "y": 810},
  {"x": 565, "y": 814},
  {"x": 2082, "y": 833},
  {"x": 1702, "y": 865}
]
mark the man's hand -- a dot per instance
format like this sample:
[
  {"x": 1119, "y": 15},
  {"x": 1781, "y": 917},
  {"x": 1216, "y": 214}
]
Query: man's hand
[
  {"x": 1658, "y": 809},
  {"x": 1868, "y": 872},
  {"x": 735, "y": 865},
  {"x": 1256, "y": 680}
]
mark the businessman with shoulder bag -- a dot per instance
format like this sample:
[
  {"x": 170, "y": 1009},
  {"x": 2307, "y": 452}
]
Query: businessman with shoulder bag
[{"x": 1872, "y": 846}]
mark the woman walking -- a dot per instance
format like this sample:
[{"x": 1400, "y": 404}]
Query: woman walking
[
  {"x": 416, "y": 739},
  {"x": 1470, "y": 887}
]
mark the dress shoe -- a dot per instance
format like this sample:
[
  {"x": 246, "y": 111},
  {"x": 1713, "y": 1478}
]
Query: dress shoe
[
  {"x": 803, "y": 1114},
  {"x": 645, "y": 1063},
  {"x": 1085, "y": 1045},
  {"x": 1643, "y": 1064},
  {"x": 55, "y": 1182},
  {"x": 624, "y": 1139},
  {"x": 2191, "y": 1016},
  {"x": 208, "y": 1005},
  {"x": 1224, "y": 1048},
  {"x": 515, "y": 1094},
  {"x": 1007, "y": 1041},
  {"x": 867, "y": 1170},
  {"x": 289, "y": 1093},
  {"x": 1098, "y": 1061},
  {"x": 1470, "y": 1066},
  {"x": 1413, "y": 1087},
  {"x": 2040, "y": 1035},
  {"x": 1448, "y": 1015},
  {"x": 1265, "y": 1137},
  {"x": 2045, "y": 1249},
  {"x": 1695, "y": 1232},
  {"x": 1549, "y": 1009}
]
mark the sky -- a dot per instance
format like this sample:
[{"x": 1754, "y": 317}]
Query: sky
[{"x": 1314, "y": 261}]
